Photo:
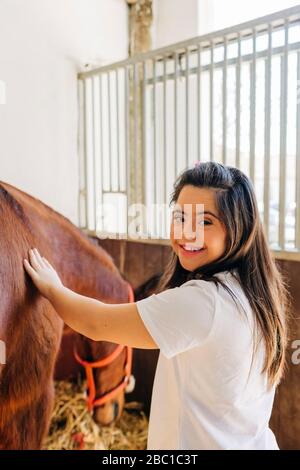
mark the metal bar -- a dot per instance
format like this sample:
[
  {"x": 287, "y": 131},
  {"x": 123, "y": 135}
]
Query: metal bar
[
  {"x": 267, "y": 150},
  {"x": 253, "y": 110},
  {"x": 127, "y": 138},
  {"x": 283, "y": 141},
  {"x": 94, "y": 143},
  {"x": 101, "y": 140},
  {"x": 292, "y": 13},
  {"x": 211, "y": 104},
  {"x": 238, "y": 106},
  {"x": 82, "y": 204},
  {"x": 144, "y": 143},
  {"x": 154, "y": 150},
  {"x": 224, "y": 104},
  {"x": 99, "y": 161},
  {"x": 164, "y": 188},
  {"x": 187, "y": 108},
  {"x": 109, "y": 132},
  {"x": 298, "y": 156},
  {"x": 89, "y": 154},
  {"x": 175, "y": 113},
  {"x": 114, "y": 192},
  {"x": 118, "y": 131},
  {"x": 294, "y": 47},
  {"x": 199, "y": 103},
  {"x": 136, "y": 132},
  {"x": 85, "y": 153},
  {"x": 101, "y": 151},
  {"x": 290, "y": 255}
]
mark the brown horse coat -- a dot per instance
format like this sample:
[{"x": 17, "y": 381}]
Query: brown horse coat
[{"x": 29, "y": 326}]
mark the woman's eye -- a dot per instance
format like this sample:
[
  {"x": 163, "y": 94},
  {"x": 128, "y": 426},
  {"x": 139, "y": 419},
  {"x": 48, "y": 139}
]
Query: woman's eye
[
  {"x": 180, "y": 219},
  {"x": 207, "y": 222}
]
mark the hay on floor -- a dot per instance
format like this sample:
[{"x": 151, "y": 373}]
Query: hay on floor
[{"x": 72, "y": 426}]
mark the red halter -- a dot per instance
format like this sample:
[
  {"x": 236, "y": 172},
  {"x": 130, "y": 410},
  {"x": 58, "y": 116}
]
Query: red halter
[{"x": 92, "y": 401}]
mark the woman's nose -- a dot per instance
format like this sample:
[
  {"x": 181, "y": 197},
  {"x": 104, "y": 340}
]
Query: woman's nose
[{"x": 189, "y": 231}]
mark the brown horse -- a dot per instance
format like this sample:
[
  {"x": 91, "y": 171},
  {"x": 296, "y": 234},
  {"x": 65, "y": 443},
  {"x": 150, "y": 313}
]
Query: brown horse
[{"x": 29, "y": 325}]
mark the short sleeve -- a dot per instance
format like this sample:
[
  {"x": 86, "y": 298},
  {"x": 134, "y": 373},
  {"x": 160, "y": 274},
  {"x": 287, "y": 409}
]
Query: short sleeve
[{"x": 180, "y": 318}]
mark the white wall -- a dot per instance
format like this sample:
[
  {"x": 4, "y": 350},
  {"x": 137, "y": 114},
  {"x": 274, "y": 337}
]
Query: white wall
[
  {"x": 174, "y": 21},
  {"x": 43, "y": 44},
  {"x": 218, "y": 14},
  {"x": 178, "y": 20}
]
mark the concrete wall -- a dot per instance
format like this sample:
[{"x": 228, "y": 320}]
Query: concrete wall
[{"x": 43, "y": 44}]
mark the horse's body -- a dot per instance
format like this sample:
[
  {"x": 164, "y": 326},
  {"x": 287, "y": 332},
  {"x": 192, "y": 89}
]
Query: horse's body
[{"x": 29, "y": 325}]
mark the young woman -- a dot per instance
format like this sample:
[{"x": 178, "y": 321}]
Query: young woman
[{"x": 219, "y": 318}]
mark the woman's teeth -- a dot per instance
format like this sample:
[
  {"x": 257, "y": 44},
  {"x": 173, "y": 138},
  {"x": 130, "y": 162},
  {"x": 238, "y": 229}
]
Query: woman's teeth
[{"x": 190, "y": 248}]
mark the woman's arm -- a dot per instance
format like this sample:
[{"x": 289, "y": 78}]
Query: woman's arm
[{"x": 116, "y": 323}]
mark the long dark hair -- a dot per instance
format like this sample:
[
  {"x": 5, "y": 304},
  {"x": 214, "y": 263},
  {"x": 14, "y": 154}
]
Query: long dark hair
[{"x": 247, "y": 255}]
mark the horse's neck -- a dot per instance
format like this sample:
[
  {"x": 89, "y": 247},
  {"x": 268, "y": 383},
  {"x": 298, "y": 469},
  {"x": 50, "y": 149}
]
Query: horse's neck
[{"x": 82, "y": 265}]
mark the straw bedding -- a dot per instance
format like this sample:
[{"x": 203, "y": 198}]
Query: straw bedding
[{"x": 72, "y": 426}]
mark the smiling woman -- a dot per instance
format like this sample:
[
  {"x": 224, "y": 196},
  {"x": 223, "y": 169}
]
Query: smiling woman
[{"x": 197, "y": 237}]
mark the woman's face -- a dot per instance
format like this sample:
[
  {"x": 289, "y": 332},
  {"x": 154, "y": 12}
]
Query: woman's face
[{"x": 196, "y": 224}]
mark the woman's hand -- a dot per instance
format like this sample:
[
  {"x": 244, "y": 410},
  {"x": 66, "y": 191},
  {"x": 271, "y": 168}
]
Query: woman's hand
[{"x": 42, "y": 273}]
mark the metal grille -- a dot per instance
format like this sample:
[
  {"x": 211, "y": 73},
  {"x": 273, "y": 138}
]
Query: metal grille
[{"x": 230, "y": 96}]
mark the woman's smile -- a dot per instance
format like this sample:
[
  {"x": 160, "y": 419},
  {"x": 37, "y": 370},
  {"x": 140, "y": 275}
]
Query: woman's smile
[
  {"x": 197, "y": 241},
  {"x": 191, "y": 251}
]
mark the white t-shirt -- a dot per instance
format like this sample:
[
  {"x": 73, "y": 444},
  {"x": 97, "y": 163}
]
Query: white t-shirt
[{"x": 204, "y": 394}]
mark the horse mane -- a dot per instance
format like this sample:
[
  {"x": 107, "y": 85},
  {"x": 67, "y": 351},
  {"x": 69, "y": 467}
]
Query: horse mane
[{"x": 12, "y": 203}]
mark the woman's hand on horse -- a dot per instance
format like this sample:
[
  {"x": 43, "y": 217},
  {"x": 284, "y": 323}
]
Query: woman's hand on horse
[
  {"x": 114, "y": 323},
  {"x": 42, "y": 273}
]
